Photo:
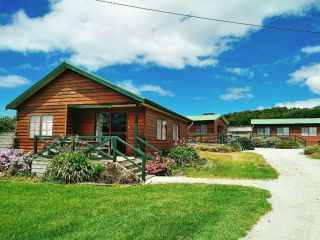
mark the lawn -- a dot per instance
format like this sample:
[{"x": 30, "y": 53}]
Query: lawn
[
  {"x": 174, "y": 211},
  {"x": 237, "y": 165}
]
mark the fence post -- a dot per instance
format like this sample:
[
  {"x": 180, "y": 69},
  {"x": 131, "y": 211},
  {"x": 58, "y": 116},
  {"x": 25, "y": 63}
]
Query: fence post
[
  {"x": 35, "y": 145},
  {"x": 143, "y": 167},
  {"x": 72, "y": 143},
  {"x": 114, "y": 148}
]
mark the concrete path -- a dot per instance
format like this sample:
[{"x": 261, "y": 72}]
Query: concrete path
[{"x": 295, "y": 196}]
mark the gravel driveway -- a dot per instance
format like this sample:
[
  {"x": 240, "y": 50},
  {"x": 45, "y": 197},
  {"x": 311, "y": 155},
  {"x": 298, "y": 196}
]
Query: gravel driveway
[{"x": 295, "y": 196}]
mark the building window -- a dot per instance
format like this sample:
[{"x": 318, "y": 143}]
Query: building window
[
  {"x": 201, "y": 129},
  {"x": 161, "y": 129},
  {"x": 46, "y": 124},
  {"x": 283, "y": 131},
  {"x": 175, "y": 132},
  {"x": 309, "y": 131},
  {"x": 40, "y": 125},
  {"x": 34, "y": 125},
  {"x": 263, "y": 131}
]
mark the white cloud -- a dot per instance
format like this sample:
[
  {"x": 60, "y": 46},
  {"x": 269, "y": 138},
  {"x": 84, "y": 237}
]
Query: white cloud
[
  {"x": 237, "y": 93},
  {"x": 198, "y": 98},
  {"x": 128, "y": 84},
  {"x": 311, "y": 49},
  {"x": 241, "y": 72},
  {"x": 309, "y": 103},
  {"x": 12, "y": 81},
  {"x": 96, "y": 34},
  {"x": 308, "y": 76}
]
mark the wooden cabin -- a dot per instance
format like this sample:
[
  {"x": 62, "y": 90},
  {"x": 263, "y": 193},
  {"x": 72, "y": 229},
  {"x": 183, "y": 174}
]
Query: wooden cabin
[
  {"x": 304, "y": 130},
  {"x": 208, "y": 124},
  {"x": 72, "y": 102}
]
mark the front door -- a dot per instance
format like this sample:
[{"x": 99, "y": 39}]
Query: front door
[{"x": 112, "y": 124}]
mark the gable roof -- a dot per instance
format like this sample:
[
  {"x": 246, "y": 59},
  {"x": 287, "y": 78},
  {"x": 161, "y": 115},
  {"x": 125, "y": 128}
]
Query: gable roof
[
  {"x": 286, "y": 121},
  {"x": 65, "y": 66},
  {"x": 207, "y": 117}
]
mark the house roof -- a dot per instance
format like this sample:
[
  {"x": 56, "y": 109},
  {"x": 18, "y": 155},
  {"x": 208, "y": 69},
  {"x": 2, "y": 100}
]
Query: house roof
[
  {"x": 286, "y": 121},
  {"x": 65, "y": 66},
  {"x": 207, "y": 117}
]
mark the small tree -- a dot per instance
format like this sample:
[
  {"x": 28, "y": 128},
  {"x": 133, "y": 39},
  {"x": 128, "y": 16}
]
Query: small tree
[{"x": 7, "y": 124}]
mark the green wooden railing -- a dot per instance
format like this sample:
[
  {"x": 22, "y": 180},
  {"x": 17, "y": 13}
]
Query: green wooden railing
[
  {"x": 95, "y": 147},
  {"x": 145, "y": 143}
]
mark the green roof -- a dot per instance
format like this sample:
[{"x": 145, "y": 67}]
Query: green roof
[
  {"x": 208, "y": 117},
  {"x": 63, "y": 67},
  {"x": 286, "y": 121}
]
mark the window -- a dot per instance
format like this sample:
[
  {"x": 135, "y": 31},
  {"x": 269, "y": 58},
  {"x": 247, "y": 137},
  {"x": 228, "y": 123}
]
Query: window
[
  {"x": 161, "y": 129},
  {"x": 263, "y": 131},
  {"x": 40, "y": 125},
  {"x": 309, "y": 131},
  {"x": 283, "y": 131},
  {"x": 46, "y": 124},
  {"x": 34, "y": 125},
  {"x": 201, "y": 129},
  {"x": 175, "y": 132}
]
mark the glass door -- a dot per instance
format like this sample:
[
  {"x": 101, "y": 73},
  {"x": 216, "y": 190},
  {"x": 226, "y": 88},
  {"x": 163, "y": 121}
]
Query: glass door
[{"x": 112, "y": 124}]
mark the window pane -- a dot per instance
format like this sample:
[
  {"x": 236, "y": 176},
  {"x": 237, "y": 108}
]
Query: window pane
[
  {"x": 267, "y": 131},
  {"x": 304, "y": 131},
  {"x": 159, "y": 124},
  {"x": 34, "y": 125},
  {"x": 46, "y": 124},
  {"x": 175, "y": 133},
  {"x": 164, "y": 130},
  {"x": 283, "y": 131},
  {"x": 312, "y": 131}
]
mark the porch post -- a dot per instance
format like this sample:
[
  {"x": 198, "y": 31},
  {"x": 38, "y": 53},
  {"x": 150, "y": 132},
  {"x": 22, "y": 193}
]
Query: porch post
[{"x": 136, "y": 127}]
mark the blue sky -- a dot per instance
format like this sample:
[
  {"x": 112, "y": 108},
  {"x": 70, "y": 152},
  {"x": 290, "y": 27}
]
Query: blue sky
[{"x": 188, "y": 65}]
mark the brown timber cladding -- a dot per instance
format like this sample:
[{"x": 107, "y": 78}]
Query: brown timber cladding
[
  {"x": 212, "y": 126},
  {"x": 294, "y": 130}
]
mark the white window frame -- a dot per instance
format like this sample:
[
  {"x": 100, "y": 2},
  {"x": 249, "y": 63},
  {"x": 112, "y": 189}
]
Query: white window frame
[
  {"x": 43, "y": 126},
  {"x": 202, "y": 129},
  {"x": 34, "y": 125},
  {"x": 264, "y": 131},
  {"x": 283, "y": 131},
  {"x": 307, "y": 132},
  {"x": 175, "y": 132},
  {"x": 161, "y": 129}
]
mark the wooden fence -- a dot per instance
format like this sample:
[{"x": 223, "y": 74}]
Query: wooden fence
[{"x": 6, "y": 139}]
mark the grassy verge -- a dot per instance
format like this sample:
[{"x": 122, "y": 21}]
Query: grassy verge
[
  {"x": 239, "y": 165},
  {"x": 174, "y": 211}
]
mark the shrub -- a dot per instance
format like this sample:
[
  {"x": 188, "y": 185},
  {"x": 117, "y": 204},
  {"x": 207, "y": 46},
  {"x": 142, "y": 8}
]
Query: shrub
[
  {"x": 288, "y": 145},
  {"x": 113, "y": 173},
  {"x": 97, "y": 169},
  {"x": 185, "y": 156},
  {"x": 235, "y": 145},
  {"x": 15, "y": 161},
  {"x": 269, "y": 142},
  {"x": 159, "y": 167},
  {"x": 70, "y": 167},
  {"x": 215, "y": 148},
  {"x": 7, "y": 124},
  {"x": 246, "y": 143},
  {"x": 312, "y": 149}
]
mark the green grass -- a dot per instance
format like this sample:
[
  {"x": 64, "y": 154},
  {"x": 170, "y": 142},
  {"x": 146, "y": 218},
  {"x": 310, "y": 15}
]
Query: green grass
[
  {"x": 237, "y": 165},
  {"x": 174, "y": 211},
  {"x": 315, "y": 155}
]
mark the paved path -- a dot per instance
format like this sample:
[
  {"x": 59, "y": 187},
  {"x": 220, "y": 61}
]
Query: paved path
[{"x": 295, "y": 196}]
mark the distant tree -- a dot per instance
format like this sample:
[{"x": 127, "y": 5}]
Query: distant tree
[
  {"x": 7, "y": 124},
  {"x": 208, "y": 113}
]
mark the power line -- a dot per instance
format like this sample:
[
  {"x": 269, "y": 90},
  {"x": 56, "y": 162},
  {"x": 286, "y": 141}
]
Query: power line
[{"x": 209, "y": 19}]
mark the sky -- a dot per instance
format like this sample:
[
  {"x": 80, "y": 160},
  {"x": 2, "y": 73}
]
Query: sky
[{"x": 189, "y": 65}]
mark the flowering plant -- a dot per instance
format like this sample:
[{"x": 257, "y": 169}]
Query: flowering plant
[
  {"x": 15, "y": 161},
  {"x": 159, "y": 167}
]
